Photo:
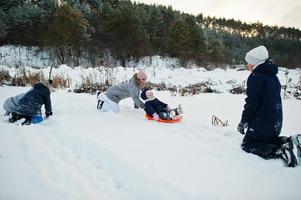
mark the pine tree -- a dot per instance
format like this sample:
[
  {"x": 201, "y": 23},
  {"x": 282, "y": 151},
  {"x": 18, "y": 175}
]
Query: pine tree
[
  {"x": 154, "y": 28},
  {"x": 178, "y": 40},
  {"x": 21, "y": 22},
  {"x": 123, "y": 30},
  {"x": 6, "y": 5},
  {"x": 197, "y": 42},
  {"x": 3, "y": 27},
  {"x": 68, "y": 29}
]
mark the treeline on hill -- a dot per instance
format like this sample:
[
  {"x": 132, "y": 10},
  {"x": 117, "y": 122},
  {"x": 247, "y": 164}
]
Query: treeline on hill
[{"x": 97, "y": 29}]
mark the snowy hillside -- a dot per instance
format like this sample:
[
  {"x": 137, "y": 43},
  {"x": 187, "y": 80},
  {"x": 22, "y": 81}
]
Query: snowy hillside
[{"x": 82, "y": 154}]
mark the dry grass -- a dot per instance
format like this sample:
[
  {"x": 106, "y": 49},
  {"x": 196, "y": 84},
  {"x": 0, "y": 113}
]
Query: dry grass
[
  {"x": 193, "y": 89},
  {"x": 60, "y": 81},
  {"x": 24, "y": 77},
  {"x": 89, "y": 86},
  {"x": 4, "y": 77}
]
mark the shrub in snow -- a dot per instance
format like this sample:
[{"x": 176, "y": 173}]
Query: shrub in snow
[
  {"x": 25, "y": 77},
  {"x": 238, "y": 90},
  {"x": 5, "y": 78},
  {"x": 92, "y": 87},
  {"x": 61, "y": 81},
  {"x": 193, "y": 89}
]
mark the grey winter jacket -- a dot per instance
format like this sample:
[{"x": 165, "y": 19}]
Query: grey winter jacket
[
  {"x": 124, "y": 90},
  {"x": 11, "y": 104}
]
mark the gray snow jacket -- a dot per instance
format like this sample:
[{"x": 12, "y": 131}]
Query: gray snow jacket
[
  {"x": 11, "y": 104},
  {"x": 124, "y": 90}
]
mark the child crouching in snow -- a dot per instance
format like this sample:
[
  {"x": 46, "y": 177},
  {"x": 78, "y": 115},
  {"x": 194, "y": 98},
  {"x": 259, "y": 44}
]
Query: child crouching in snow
[
  {"x": 28, "y": 105},
  {"x": 156, "y": 108}
]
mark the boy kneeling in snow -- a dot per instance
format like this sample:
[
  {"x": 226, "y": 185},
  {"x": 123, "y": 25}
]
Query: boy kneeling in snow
[
  {"x": 262, "y": 114},
  {"x": 28, "y": 105},
  {"x": 157, "y": 109}
]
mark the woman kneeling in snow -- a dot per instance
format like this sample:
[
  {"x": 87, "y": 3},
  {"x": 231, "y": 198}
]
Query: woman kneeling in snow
[
  {"x": 110, "y": 99},
  {"x": 28, "y": 105}
]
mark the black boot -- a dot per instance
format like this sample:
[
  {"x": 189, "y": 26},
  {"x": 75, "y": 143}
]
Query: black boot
[
  {"x": 27, "y": 121},
  {"x": 285, "y": 152},
  {"x": 15, "y": 117},
  {"x": 100, "y": 104}
]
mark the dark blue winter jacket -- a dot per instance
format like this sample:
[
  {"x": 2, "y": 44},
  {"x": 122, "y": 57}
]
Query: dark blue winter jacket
[
  {"x": 154, "y": 106},
  {"x": 30, "y": 104},
  {"x": 263, "y": 107}
]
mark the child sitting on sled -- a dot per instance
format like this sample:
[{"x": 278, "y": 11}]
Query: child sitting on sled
[{"x": 157, "y": 109}]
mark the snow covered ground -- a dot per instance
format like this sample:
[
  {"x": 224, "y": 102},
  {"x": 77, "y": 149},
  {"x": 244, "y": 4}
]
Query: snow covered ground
[
  {"x": 221, "y": 80},
  {"x": 82, "y": 154}
]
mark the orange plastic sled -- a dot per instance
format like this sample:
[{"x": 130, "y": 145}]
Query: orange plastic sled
[{"x": 177, "y": 119}]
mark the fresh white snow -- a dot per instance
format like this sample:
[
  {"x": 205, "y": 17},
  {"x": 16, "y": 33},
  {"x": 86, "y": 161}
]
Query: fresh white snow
[{"x": 81, "y": 153}]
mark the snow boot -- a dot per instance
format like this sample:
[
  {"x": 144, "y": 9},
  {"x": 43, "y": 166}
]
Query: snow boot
[
  {"x": 15, "y": 117},
  {"x": 297, "y": 141},
  {"x": 27, "y": 121},
  {"x": 286, "y": 153},
  {"x": 172, "y": 114},
  {"x": 97, "y": 94},
  {"x": 99, "y": 104},
  {"x": 165, "y": 115},
  {"x": 179, "y": 109}
]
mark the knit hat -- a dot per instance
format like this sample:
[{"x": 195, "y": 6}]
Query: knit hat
[
  {"x": 141, "y": 75},
  {"x": 143, "y": 94},
  {"x": 257, "y": 56}
]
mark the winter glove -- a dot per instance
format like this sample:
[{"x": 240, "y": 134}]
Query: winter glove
[
  {"x": 48, "y": 114},
  {"x": 241, "y": 127},
  {"x": 156, "y": 116}
]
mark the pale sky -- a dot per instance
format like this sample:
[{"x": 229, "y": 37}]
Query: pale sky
[{"x": 271, "y": 12}]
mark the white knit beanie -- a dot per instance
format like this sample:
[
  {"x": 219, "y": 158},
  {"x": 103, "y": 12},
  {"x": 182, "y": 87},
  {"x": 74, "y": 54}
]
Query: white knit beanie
[{"x": 257, "y": 56}]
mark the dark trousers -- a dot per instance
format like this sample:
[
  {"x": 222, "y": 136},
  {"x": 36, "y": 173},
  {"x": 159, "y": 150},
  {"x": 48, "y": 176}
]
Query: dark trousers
[{"x": 265, "y": 150}]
